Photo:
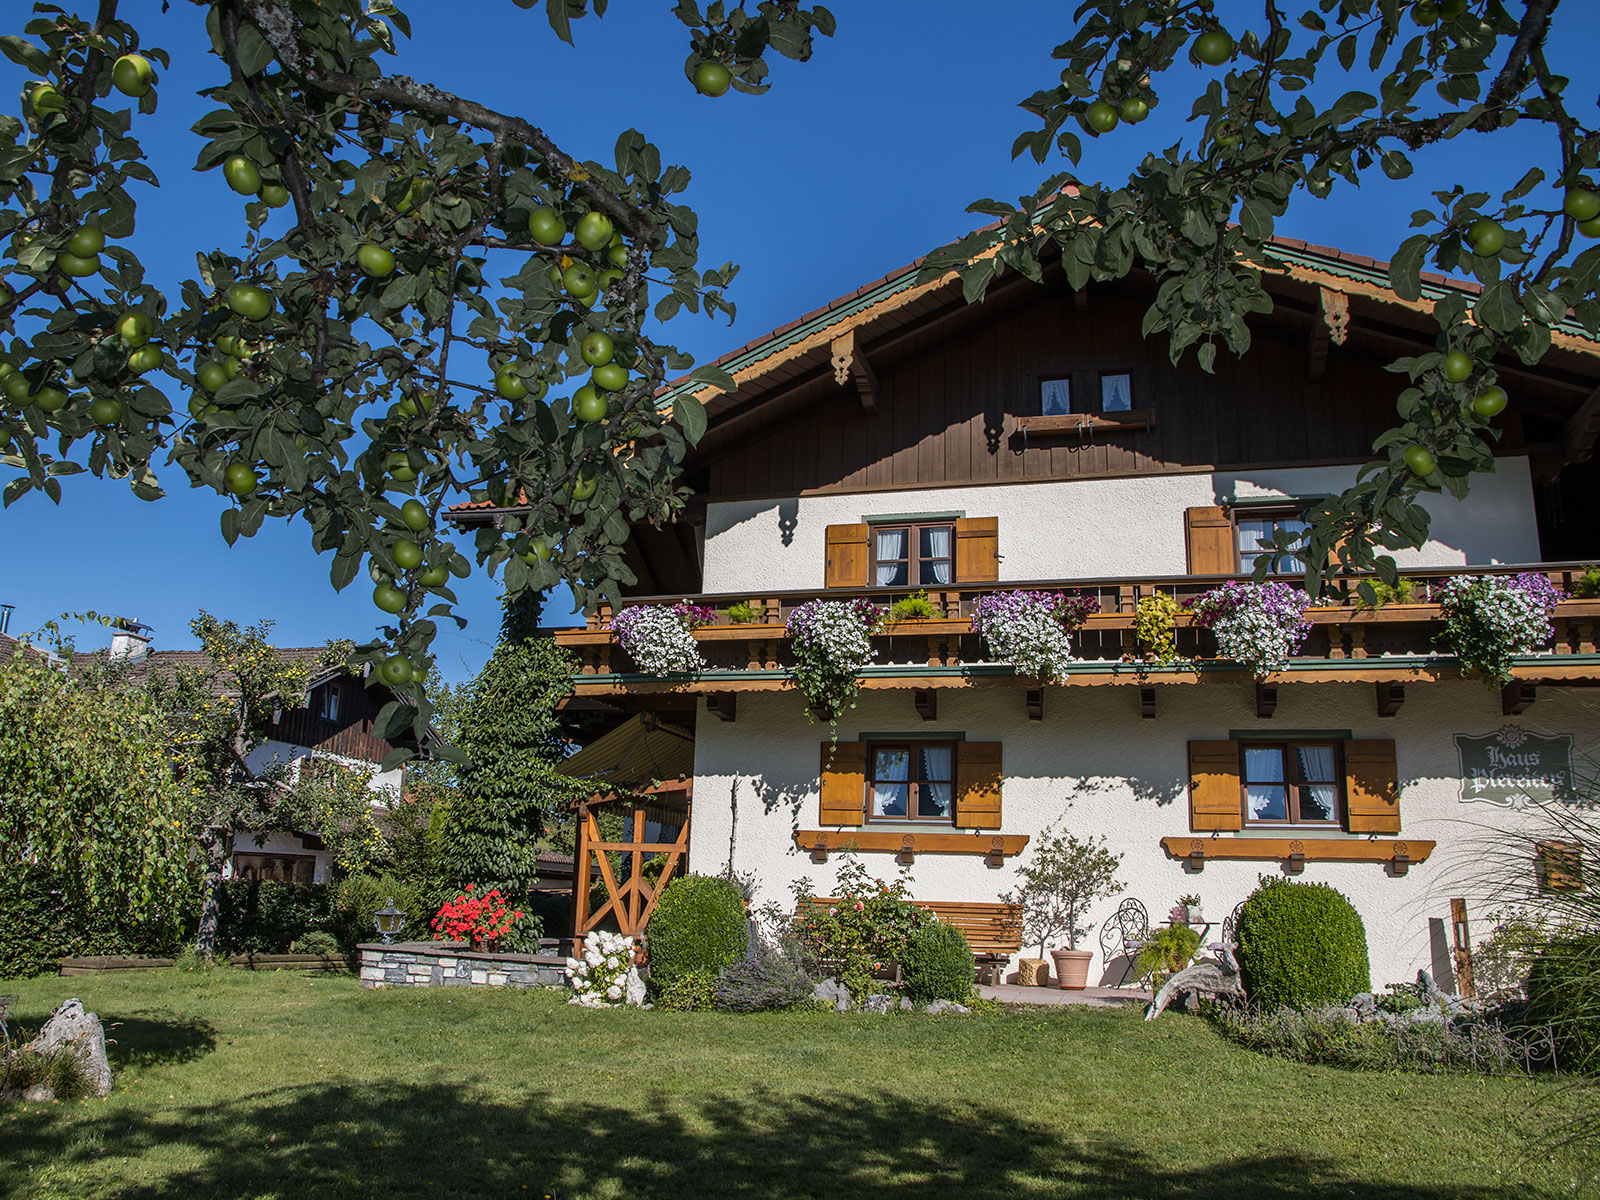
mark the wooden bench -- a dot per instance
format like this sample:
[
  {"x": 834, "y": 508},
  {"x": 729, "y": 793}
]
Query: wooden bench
[{"x": 992, "y": 928}]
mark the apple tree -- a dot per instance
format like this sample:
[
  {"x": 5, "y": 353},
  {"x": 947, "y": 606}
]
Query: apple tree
[
  {"x": 1285, "y": 107},
  {"x": 431, "y": 302}
]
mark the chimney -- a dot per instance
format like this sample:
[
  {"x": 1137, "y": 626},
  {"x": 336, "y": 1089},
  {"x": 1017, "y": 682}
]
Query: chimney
[
  {"x": 5, "y": 616},
  {"x": 129, "y": 639}
]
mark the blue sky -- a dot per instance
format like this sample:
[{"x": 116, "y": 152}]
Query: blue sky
[{"x": 852, "y": 165}]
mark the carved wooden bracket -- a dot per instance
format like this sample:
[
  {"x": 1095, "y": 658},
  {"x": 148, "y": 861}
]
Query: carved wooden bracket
[
  {"x": 1390, "y": 697},
  {"x": 1331, "y": 325},
  {"x": 850, "y": 362}
]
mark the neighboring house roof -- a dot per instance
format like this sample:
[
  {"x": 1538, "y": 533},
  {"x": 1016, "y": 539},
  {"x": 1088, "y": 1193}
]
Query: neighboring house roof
[{"x": 167, "y": 663}]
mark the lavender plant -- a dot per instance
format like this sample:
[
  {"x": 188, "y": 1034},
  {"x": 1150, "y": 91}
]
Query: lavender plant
[
  {"x": 832, "y": 642},
  {"x": 1032, "y": 630},
  {"x": 1489, "y": 619},
  {"x": 1257, "y": 625}
]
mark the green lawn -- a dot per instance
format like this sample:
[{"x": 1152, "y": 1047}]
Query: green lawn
[{"x": 239, "y": 1084}]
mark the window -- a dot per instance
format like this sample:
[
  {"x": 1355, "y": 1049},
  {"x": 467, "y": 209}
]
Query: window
[
  {"x": 911, "y": 782},
  {"x": 1116, "y": 392},
  {"x": 1559, "y": 867},
  {"x": 1292, "y": 783},
  {"x": 1253, "y": 526},
  {"x": 913, "y": 555},
  {"x": 328, "y": 709},
  {"x": 1055, "y": 397}
]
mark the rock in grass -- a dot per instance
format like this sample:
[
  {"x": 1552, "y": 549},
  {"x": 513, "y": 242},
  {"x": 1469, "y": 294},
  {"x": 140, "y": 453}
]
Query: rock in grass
[{"x": 70, "y": 1027}]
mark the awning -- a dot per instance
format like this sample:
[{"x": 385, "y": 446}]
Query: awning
[{"x": 635, "y": 754}]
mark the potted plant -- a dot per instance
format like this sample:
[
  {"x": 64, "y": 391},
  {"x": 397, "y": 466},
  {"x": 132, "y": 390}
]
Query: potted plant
[
  {"x": 1060, "y": 884},
  {"x": 915, "y": 607},
  {"x": 1192, "y": 915}
]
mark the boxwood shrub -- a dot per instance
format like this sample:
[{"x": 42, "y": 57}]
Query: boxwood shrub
[
  {"x": 1562, "y": 994},
  {"x": 1301, "y": 944},
  {"x": 700, "y": 925},
  {"x": 937, "y": 964}
]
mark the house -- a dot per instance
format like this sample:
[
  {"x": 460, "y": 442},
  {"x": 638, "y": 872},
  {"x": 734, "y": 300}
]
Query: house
[
  {"x": 331, "y": 722},
  {"x": 898, "y": 439}
]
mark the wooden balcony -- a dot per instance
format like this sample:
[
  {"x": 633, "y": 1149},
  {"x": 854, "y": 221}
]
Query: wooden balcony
[{"x": 1393, "y": 644}]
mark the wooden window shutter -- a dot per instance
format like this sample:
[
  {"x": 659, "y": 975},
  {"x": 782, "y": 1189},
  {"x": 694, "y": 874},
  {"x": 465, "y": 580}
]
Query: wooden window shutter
[
  {"x": 848, "y": 555},
  {"x": 1372, "y": 786},
  {"x": 844, "y": 784},
  {"x": 1558, "y": 866},
  {"x": 978, "y": 550},
  {"x": 1208, "y": 534},
  {"x": 1215, "y": 801},
  {"x": 978, "y": 785}
]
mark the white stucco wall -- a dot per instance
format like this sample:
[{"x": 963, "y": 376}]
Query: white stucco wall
[
  {"x": 1097, "y": 528},
  {"x": 386, "y": 785},
  {"x": 1093, "y": 766}
]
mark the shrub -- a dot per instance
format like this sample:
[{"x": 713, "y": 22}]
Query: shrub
[
  {"x": 763, "y": 979},
  {"x": 39, "y": 924},
  {"x": 1564, "y": 993},
  {"x": 1301, "y": 944},
  {"x": 318, "y": 941},
  {"x": 358, "y": 898},
  {"x": 700, "y": 925},
  {"x": 266, "y": 917},
  {"x": 867, "y": 925},
  {"x": 937, "y": 964},
  {"x": 61, "y": 1070},
  {"x": 1502, "y": 961},
  {"x": 914, "y": 607},
  {"x": 1166, "y": 953},
  {"x": 686, "y": 991}
]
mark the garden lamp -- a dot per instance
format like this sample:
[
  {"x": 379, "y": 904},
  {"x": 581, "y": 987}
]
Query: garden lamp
[{"x": 389, "y": 921}]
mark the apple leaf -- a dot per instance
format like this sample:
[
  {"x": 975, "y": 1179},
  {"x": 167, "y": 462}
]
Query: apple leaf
[
  {"x": 1498, "y": 307},
  {"x": 716, "y": 377},
  {"x": 255, "y": 55},
  {"x": 230, "y": 525},
  {"x": 26, "y": 54},
  {"x": 1405, "y": 268}
]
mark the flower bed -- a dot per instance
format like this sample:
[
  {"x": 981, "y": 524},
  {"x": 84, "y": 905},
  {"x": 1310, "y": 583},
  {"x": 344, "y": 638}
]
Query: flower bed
[
  {"x": 660, "y": 637},
  {"x": 604, "y": 976}
]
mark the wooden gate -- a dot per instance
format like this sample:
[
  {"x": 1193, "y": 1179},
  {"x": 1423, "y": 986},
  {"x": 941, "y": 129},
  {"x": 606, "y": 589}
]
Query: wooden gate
[{"x": 631, "y": 900}]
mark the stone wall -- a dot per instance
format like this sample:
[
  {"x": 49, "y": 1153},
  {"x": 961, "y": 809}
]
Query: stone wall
[{"x": 451, "y": 964}]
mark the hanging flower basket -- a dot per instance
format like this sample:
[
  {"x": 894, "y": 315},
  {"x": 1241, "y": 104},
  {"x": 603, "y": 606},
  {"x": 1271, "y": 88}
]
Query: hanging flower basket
[
  {"x": 660, "y": 637},
  {"x": 832, "y": 643},
  {"x": 1489, "y": 619},
  {"x": 1032, "y": 630},
  {"x": 1258, "y": 625}
]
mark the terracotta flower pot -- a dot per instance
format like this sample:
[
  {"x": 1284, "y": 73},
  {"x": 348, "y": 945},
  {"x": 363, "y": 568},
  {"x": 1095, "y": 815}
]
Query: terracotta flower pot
[{"x": 1072, "y": 968}]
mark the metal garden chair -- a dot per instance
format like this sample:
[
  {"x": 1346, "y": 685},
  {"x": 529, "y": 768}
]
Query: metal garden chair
[{"x": 1122, "y": 937}]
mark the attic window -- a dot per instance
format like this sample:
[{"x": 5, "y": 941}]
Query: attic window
[
  {"x": 1116, "y": 392},
  {"x": 1055, "y": 397},
  {"x": 328, "y": 710}
]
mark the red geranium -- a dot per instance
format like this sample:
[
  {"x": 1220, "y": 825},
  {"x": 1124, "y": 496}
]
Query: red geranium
[{"x": 472, "y": 917}]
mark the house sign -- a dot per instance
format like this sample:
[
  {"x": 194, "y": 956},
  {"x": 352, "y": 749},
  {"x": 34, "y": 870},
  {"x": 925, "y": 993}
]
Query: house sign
[{"x": 1513, "y": 768}]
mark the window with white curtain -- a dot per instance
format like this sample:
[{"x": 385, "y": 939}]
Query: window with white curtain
[
  {"x": 1255, "y": 526},
  {"x": 912, "y": 782},
  {"x": 1292, "y": 783},
  {"x": 920, "y": 555}
]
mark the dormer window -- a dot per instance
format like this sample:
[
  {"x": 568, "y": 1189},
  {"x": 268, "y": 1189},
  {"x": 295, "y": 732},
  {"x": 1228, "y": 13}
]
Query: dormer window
[
  {"x": 328, "y": 708},
  {"x": 913, "y": 555}
]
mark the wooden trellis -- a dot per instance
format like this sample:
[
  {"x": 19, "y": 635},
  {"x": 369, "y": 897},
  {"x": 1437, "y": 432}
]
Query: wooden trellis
[{"x": 630, "y": 901}]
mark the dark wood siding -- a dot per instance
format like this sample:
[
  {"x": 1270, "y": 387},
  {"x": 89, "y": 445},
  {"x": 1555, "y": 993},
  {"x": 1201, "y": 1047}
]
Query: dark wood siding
[
  {"x": 351, "y": 735},
  {"x": 950, "y": 398}
]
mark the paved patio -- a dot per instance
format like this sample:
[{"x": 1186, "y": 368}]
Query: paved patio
[{"x": 1094, "y": 997}]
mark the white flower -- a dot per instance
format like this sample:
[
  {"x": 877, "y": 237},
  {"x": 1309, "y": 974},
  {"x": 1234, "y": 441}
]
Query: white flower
[
  {"x": 612, "y": 962},
  {"x": 658, "y": 640},
  {"x": 613, "y": 992}
]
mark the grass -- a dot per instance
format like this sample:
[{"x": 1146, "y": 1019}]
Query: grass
[{"x": 239, "y": 1084}]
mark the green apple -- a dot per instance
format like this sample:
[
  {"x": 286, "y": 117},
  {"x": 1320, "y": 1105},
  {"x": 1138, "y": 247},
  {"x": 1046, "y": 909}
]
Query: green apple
[
  {"x": 389, "y": 598},
  {"x": 1102, "y": 117},
  {"x": 1490, "y": 402},
  {"x": 15, "y": 386},
  {"x": 232, "y": 346},
  {"x": 539, "y": 548},
  {"x": 509, "y": 384},
  {"x": 232, "y": 367},
  {"x": 250, "y": 302},
  {"x": 1487, "y": 238},
  {"x": 1590, "y": 228},
  {"x": 77, "y": 266},
  {"x": 399, "y": 467},
  {"x": 1134, "y": 110},
  {"x": 274, "y": 195},
  {"x": 46, "y": 99},
  {"x": 617, "y": 256},
  {"x": 712, "y": 78},
  {"x": 86, "y": 241},
  {"x": 583, "y": 487},
  {"x": 611, "y": 377},
  {"x": 434, "y": 576},
  {"x": 241, "y": 478},
  {"x": 1419, "y": 460},
  {"x": 132, "y": 75},
  {"x": 546, "y": 226},
  {"x": 1213, "y": 47},
  {"x": 375, "y": 260},
  {"x": 134, "y": 329},
  {"x": 1581, "y": 204},
  {"x": 407, "y": 555},
  {"x": 396, "y": 670},
  {"x": 1457, "y": 367},
  {"x": 598, "y": 349},
  {"x": 578, "y": 279},
  {"x": 588, "y": 404},
  {"x": 146, "y": 359},
  {"x": 49, "y": 399},
  {"x": 242, "y": 175},
  {"x": 105, "y": 411},
  {"x": 415, "y": 515},
  {"x": 212, "y": 376},
  {"x": 6, "y": 297},
  {"x": 594, "y": 231}
]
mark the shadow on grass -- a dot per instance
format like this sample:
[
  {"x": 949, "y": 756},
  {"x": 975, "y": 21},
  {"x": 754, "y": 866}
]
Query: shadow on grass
[
  {"x": 445, "y": 1141},
  {"x": 144, "y": 1042}
]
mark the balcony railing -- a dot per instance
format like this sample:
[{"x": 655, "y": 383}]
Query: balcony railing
[{"x": 1342, "y": 629}]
